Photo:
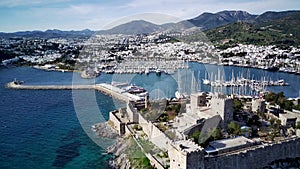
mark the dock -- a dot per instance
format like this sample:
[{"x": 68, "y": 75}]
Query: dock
[{"x": 105, "y": 88}]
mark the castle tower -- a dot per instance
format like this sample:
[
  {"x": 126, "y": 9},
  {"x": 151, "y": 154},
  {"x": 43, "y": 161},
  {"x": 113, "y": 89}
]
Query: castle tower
[
  {"x": 198, "y": 100},
  {"x": 223, "y": 106}
]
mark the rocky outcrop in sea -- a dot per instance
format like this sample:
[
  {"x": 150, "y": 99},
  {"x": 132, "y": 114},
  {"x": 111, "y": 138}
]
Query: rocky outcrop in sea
[{"x": 118, "y": 149}]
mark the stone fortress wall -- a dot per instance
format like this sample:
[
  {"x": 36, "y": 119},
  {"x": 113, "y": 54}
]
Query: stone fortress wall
[
  {"x": 256, "y": 156},
  {"x": 155, "y": 135},
  {"x": 250, "y": 158}
]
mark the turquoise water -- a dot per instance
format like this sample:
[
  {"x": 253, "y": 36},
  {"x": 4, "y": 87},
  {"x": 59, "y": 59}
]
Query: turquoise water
[{"x": 41, "y": 129}]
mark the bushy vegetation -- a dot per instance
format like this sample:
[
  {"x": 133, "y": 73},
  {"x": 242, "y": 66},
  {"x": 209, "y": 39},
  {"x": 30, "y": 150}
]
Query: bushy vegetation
[
  {"x": 283, "y": 32},
  {"x": 234, "y": 128},
  {"x": 137, "y": 127},
  {"x": 298, "y": 125},
  {"x": 237, "y": 105},
  {"x": 161, "y": 111},
  {"x": 5, "y": 54},
  {"x": 204, "y": 139},
  {"x": 137, "y": 158},
  {"x": 297, "y": 107},
  {"x": 274, "y": 129},
  {"x": 280, "y": 99},
  {"x": 217, "y": 134},
  {"x": 195, "y": 136}
]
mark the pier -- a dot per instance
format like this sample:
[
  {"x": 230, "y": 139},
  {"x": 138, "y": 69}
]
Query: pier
[{"x": 105, "y": 88}]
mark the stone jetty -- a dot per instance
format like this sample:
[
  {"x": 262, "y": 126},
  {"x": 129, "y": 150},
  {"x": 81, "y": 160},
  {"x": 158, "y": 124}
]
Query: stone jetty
[{"x": 105, "y": 88}]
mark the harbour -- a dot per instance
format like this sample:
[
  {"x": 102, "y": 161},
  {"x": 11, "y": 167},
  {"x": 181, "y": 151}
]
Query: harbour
[{"x": 52, "y": 111}]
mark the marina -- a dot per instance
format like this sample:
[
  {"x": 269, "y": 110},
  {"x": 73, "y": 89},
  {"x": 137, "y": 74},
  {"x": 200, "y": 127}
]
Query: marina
[
  {"x": 241, "y": 81},
  {"x": 54, "y": 108}
]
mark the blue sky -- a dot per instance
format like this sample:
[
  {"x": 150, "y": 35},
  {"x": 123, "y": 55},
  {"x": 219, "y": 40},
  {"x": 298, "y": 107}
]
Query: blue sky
[{"x": 20, "y": 15}]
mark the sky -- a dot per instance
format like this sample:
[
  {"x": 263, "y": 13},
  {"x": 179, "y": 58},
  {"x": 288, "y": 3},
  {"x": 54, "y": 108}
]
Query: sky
[{"x": 23, "y": 15}]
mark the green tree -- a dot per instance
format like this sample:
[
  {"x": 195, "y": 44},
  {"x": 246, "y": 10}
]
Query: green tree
[
  {"x": 237, "y": 105},
  {"x": 195, "y": 136},
  {"x": 216, "y": 134},
  {"x": 280, "y": 100},
  {"x": 297, "y": 107},
  {"x": 234, "y": 128},
  {"x": 271, "y": 97},
  {"x": 298, "y": 125}
]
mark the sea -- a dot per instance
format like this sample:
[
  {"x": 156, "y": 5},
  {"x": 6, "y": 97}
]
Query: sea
[{"x": 52, "y": 128}]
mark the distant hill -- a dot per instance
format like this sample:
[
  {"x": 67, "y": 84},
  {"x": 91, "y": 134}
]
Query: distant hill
[
  {"x": 144, "y": 27},
  {"x": 281, "y": 31},
  {"x": 54, "y": 33},
  {"x": 232, "y": 26},
  {"x": 133, "y": 27},
  {"x": 213, "y": 20},
  {"x": 271, "y": 15},
  {"x": 205, "y": 21}
]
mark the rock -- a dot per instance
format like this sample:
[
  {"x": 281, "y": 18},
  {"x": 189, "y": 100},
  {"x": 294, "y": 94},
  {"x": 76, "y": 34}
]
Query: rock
[
  {"x": 105, "y": 130},
  {"x": 122, "y": 162},
  {"x": 118, "y": 149}
]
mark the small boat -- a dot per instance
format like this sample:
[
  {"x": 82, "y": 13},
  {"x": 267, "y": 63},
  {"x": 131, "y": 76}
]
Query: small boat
[
  {"x": 206, "y": 81},
  {"x": 18, "y": 82},
  {"x": 158, "y": 72},
  {"x": 178, "y": 95},
  {"x": 147, "y": 71}
]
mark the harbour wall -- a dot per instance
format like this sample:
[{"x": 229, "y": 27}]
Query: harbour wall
[
  {"x": 50, "y": 87},
  {"x": 103, "y": 88}
]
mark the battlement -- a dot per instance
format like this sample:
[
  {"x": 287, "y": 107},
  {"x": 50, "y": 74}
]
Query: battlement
[{"x": 187, "y": 146}]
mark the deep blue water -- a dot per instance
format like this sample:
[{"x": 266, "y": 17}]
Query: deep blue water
[
  {"x": 40, "y": 129},
  {"x": 51, "y": 128}
]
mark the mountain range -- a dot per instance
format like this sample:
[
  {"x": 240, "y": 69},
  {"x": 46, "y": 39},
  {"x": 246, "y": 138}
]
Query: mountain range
[
  {"x": 211, "y": 23},
  {"x": 280, "y": 29}
]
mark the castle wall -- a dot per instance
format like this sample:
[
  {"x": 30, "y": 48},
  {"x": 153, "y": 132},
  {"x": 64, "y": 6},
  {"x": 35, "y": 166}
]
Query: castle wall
[
  {"x": 132, "y": 112},
  {"x": 154, "y": 162},
  {"x": 178, "y": 159},
  {"x": 156, "y": 136},
  {"x": 118, "y": 125},
  {"x": 194, "y": 128},
  {"x": 255, "y": 158},
  {"x": 258, "y": 104}
]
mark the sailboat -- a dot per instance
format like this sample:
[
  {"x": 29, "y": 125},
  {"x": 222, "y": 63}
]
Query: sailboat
[
  {"x": 206, "y": 81},
  {"x": 178, "y": 94}
]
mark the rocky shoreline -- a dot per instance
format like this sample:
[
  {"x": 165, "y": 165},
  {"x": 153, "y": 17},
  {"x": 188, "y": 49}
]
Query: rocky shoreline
[
  {"x": 121, "y": 159},
  {"x": 104, "y": 130}
]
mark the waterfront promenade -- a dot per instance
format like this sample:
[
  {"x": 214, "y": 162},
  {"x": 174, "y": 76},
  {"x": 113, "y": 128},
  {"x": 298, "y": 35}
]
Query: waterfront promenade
[{"x": 105, "y": 88}]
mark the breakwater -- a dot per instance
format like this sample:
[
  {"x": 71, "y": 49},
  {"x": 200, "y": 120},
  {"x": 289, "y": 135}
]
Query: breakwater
[
  {"x": 105, "y": 88},
  {"x": 12, "y": 85}
]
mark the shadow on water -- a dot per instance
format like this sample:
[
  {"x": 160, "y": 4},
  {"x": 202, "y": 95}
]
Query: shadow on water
[{"x": 66, "y": 153}]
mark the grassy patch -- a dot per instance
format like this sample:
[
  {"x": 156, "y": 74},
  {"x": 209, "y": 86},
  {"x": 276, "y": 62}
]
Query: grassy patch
[{"x": 137, "y": 158}]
